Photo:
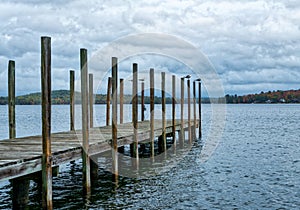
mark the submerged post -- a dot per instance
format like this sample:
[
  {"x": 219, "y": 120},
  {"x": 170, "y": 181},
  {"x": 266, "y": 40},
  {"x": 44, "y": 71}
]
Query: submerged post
[
  {"x": 135, "y": 109},
  {"x": 91, "y": 100},
  {"x": 143, "y": 101},
  {"x": 199, "y": 104},
  {"x": 114, "y": 116},
  {"x": 121, "y": 100},
  {"x": 46, "y": 122},
  {"x": 11, "y": 99},
  {"x": 152, "y": 111},
  {"x": 108, "y": 96},
  {"x": 85, "y": 121},
  {"x": 163, "y": 104},
  {"x": 173, "y": 106},
  {"x": 72, "y": 100}
]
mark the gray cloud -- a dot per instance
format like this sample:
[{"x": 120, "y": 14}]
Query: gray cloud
[{"x": 254, "y": 45}]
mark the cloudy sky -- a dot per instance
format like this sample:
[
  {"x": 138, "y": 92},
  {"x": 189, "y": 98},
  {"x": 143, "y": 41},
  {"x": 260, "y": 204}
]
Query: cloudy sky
[{"x": 253, "y": 45}]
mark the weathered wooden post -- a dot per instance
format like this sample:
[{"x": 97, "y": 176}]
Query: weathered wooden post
[
  {"x": 135, "y": 109},
  {"x": 11, "y": 100},
  {"x": 108, "y": 96},
  {"x": 194, "y": 109},
  {"x": 46, "y": 122},
  {"x": 115, "y": 116},
  {"x": 163, "y": 104},
  {"x": 91, "y": 100},
  {"x": 173, "y": 107},
  {"x": 152, "y": 111},
  {"x": 182, "y": 133},
  {"x": 189, "y": 109},
  {"x": 199, "y": 104},
  {"x": 85, "y": 122},
  {"x": 72, "y": 100},
  {"x": 143, "y": 101},
  {"x": 121, "y": 100}
]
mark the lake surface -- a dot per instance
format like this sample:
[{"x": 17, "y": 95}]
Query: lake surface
[{"x": 255, "y": 166}]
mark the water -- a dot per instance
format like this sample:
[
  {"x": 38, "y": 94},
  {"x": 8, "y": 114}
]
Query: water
[{"x": 255, "y": 166}]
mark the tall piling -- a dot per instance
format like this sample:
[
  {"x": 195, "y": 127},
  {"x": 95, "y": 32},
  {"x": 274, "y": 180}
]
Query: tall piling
[
  {"x": 194, "y": 110},
  {"x": 143, "y": 101},
  {"x": 199, "y": 106},
  {"x": 135, "y": 109},
  {"x": 152, "y": 111},
  {"x": 189, "y": 108},
  {"x": 46, "y": 123},
  {"x": 173, "y": 107},
  {"x": 91, "y": 100},
  {"x": 72, "y": 100},
  {"x": 108, "y": 97},
  {"x": 85, "y": 122},
  {"x": 182, "y": 134},
  {"x": 121, "y": 100},
  {"x": 163, "y": 104},
  {"x": 11, "y": 100},
  {"x": 115, "y": 116}
]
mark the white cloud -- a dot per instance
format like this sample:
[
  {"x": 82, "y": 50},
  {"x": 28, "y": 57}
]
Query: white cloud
[{"x": 246, "y": 40}]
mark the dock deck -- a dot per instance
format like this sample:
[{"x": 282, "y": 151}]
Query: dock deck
[{"x": 22, "y": 156}]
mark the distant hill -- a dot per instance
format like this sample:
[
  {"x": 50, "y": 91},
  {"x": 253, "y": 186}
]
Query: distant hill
[{"x": 279, "y": 96}]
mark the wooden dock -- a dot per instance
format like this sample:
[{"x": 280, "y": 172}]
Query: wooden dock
[
  {"x": 36, "y": 156},
  {"x": 23, "y": 156}
]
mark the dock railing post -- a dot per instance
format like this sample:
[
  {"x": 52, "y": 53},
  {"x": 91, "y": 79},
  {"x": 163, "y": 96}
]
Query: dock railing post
[
  {"x": 194, "y": 110},
  {"x": 163, "y": 104},
  {"x": 91, "y": 100},
  {"x": 85, "y": 122},
  {"x": 115, "y": 117},
  {"x": 182, "y": 133},
  {"x": 189, "y": 109},
  {"x": 72, "y": 100},
  {"x": 121, "y": 100},
  {"x": 11, "y": 100},
  {"x": 46, "y": 123},
  {"x": 199, "y": 104},
  {"x": 152, "y": 111},
  {"x": 173, "y": 107},
  {"x": 135, "y": 109},
  {"x": 108, "y": 96},
  {"x": 142, "y": 101}
]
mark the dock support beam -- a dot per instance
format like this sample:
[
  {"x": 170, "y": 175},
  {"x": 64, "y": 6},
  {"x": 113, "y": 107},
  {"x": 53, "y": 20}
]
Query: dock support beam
[
  {"x": 152, "y": 111},
  {"x": 72, "y": 100},
  {"x": 199, "y": 104},
  {"x": 108, "y": 96},
  {"x": 85, "y": 122},
  {"x": 189, "y": 109},
  {"x": 182, "y": 135},
  {"x": 20, "y": 192},
  {"x": 163, "y": 104},
  {"x": 121, "y": 100},
  {"x": 115, "y": 116},
  {"x": 46, "y": 122},
  {"x": 91, "y": 100},
  {"x": 135, "y": 109},
  {"x": 142, "y": 101},
  {"x": 11, "y": 99},
  {"x": 173, "y": 107},
  {"x": 194, "y": 110}
]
